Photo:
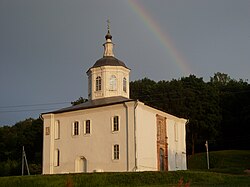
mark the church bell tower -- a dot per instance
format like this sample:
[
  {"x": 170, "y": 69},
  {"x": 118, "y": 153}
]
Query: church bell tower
[{"x": 108, "y": 77}]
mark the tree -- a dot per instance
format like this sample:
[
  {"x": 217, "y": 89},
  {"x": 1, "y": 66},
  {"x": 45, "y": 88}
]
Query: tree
[
  {"x": 220, "y": 78},
  {"x": 79, "y": 101},
  {"x": 235, "y": 111},
  {"x": 190, "y": 98},
  {"x": 202, "y": 110},
  {"x": 27, "y": 133}
]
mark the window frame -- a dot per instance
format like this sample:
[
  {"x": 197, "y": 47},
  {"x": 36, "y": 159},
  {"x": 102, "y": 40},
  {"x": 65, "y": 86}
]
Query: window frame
[
  {"x": 176, "y": 160},
  {"x": 112, "y": 83},
  {"x": 89, "y": 85},
  {"x": 176, "y": 132},
  {"x": 115, "y": 123},
  {"x": 57, "y": 158},
  {"x": 124, "y": 84},
  {"x": 116, "y": 152},
  {"x": 74, "y": 129},
  {"x": 57, "y": 130},
  {"x": 85, "y": 127},
  {"x": 98, "y": 83}
]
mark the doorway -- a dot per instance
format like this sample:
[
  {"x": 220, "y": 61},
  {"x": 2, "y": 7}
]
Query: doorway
[
  {"x": 81, "y": 165},
  {"x": 162, "y": 158}
]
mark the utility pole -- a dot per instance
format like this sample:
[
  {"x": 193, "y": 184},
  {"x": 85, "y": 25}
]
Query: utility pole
[
  {"x": 24, "y": 158},
  {"x": 206, "y": 144},
  {"x": 22, "y": 161}
]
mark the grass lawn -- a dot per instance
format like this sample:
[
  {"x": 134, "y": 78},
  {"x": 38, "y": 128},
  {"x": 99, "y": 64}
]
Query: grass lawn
[
  {"x": 229, "y": 161},
  {"x": 227, "y": 169},
  {"x": 196, "y": 178}
]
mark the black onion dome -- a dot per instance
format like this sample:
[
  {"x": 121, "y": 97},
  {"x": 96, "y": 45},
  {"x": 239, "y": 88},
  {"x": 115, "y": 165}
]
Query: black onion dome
[
  {"x": 108, "y": 61},
  {"x": 108, "y": 36}
]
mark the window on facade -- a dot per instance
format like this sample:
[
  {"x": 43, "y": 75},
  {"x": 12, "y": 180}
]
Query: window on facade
[
  {"x": 116, "y": 152},
  {"x": 76, "y": 128},
  {"x": 90, "y": 86},
  {"x": 87, "y": 127},
  {"x": 176, "y": 160},
  {"x": 57, "y": 158},
  {"x": 124, "y": 84},
  {"x": 57, "y": 130},
  {"x": 98, "y": 84},
  {"x": 176, "y": 131},
  {"x": 116, "y": 123},
  {"x": 112, "y": 83}
]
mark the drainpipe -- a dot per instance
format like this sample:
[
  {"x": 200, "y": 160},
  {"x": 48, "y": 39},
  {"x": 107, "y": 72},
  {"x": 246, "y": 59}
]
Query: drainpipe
[
  {"x": 127, "y": 152},
  {"x": 136, "y": 104}
]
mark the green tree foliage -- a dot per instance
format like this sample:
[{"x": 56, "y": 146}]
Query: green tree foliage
[
  {"x": 27, "y": 133},
  {"x": 218, "y": 111},
  {"x": 220, "y": 79},
  {"x": 235, "y": 109},
  {"x": 79, "y": 101}
]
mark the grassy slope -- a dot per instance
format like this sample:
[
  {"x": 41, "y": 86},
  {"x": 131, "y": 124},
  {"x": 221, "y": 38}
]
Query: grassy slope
[
  {"x": 197, "y": 178},
  {"x": 225, "y": 161},
  {"x": 230, "y": 161}
]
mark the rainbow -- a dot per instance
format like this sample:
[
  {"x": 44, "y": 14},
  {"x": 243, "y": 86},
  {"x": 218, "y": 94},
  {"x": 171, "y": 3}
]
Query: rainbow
[{"x": 164, "y": 38}]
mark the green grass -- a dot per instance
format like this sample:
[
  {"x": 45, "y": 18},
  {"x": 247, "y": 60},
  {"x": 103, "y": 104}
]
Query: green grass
[
  {"x": 227, "y": 170},
  {"x": 197, "y": 178},
  {"x": 229, "y": 161}
]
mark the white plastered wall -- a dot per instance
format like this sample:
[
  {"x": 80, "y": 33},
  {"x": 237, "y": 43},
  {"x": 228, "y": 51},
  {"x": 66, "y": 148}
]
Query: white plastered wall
[
  {"x": 147, "y": 139},
  {"x": 105, "y": 73},
  {"x": 96, "y": 148}
]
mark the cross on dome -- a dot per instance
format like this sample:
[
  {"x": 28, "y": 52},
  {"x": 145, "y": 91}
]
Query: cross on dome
[{"x": 108, "y": 46}]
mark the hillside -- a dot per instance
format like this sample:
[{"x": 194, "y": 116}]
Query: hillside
[{"x": 229, "y": 161}]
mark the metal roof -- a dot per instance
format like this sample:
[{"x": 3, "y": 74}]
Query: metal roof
[{"x": 92, "y": 104}]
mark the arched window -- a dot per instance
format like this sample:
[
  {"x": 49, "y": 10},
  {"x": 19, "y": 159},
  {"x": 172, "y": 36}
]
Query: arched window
[
  {"x": 57, "y": 158},
  {"x": 112, "y": 83},
  {"x": 98, "y": 84},
  {"x": 176, "y": 132},
  {"x": 57, "y": 130},
  {"x": 90, "y": 86},
  {"x": 124, "y": 84},
  {"x": 176, "y": 160}
]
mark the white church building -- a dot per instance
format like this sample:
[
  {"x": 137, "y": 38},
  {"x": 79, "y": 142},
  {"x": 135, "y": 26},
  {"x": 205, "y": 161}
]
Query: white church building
[{"x": 111, "y": 132}]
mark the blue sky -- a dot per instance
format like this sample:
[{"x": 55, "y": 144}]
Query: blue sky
[{"x": 47, "y": 46}]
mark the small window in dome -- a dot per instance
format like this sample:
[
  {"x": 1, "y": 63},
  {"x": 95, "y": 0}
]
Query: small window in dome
[
  {"x": 98, "y": 84},
  {"x": 124, "y": 84},
  {"x": 112, "y": 83}
]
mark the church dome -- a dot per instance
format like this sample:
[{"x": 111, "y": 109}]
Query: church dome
[
  {"x": 108, "y": 77},
  {"x": 108, "y": 61}
]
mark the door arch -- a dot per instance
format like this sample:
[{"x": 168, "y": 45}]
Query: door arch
[{"x": 81, "y": 165}]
